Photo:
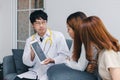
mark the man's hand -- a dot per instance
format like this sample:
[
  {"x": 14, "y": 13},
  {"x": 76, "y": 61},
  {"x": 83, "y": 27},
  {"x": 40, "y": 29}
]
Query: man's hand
[{"x": 48, "y": 60}]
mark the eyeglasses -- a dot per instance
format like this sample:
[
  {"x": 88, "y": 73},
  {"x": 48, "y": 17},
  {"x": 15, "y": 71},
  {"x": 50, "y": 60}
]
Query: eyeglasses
[{"x": 41, "y": 22}]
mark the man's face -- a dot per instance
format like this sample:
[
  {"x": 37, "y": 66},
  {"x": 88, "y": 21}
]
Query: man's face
[{"x": 40, "y": 26}]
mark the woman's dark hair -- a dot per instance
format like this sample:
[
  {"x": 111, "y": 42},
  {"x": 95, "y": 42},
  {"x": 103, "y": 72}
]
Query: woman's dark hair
[{"x": 74, "y": 21}]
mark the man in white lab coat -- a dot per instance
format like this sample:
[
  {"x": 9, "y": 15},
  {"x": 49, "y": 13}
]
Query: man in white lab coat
[{"x": 53, "y": 44}]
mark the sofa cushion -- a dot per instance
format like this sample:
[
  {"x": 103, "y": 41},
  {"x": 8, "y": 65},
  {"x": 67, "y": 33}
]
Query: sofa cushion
[
  {"x": 17, "y": 55},
  {"x": 10, "y": 76}
]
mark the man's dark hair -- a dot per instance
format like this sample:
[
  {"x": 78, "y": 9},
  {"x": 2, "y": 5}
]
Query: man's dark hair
[{"x": 38, "y": 14}]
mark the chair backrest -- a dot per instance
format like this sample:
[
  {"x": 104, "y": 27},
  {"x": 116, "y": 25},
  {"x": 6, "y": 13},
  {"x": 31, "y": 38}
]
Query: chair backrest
[{"x": 69, "y": 43}]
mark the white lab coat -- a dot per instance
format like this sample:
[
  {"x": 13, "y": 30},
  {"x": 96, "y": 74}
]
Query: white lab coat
[
  {"x": 58, "y": 51},
  {"x": 82, "y": 61}
]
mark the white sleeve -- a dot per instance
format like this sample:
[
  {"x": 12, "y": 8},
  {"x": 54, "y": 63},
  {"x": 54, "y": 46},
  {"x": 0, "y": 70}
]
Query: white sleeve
[
  {"x": 26, "y": 54},
  {"x": 80, "y": 65},
  {"x": 62, "y": 49}
]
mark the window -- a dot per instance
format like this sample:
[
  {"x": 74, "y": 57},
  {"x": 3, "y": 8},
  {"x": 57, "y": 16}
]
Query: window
[{"x": 24, "y": 27}]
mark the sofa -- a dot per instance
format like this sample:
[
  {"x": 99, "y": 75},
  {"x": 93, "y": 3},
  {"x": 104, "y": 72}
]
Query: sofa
[{"x": 13, "y": 65}]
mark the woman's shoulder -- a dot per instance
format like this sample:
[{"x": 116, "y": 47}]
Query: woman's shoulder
[{"x": 111, "y": 54}]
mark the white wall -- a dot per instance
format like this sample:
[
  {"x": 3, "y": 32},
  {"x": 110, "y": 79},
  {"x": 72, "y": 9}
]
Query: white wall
[
  {"x": 5, "y": 28},
  {"x": 58, "y": 11},
  {"x": 107, "y": 10}
]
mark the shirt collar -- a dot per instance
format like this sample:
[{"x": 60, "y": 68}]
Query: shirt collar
[{"x": 47, "y": 34}]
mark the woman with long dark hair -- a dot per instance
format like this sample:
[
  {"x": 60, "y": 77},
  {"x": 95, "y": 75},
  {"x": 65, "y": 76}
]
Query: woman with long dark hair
[{"x": 75, "y": 65}]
